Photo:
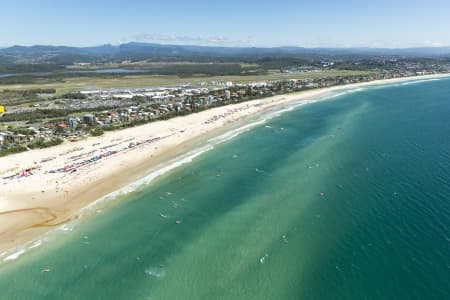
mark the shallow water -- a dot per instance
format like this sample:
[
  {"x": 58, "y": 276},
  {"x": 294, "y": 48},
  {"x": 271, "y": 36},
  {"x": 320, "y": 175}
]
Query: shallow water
[{"x": 342, "y": 199}]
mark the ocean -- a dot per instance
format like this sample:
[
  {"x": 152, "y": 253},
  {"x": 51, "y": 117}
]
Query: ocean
[{"x": 347, "y": 198}]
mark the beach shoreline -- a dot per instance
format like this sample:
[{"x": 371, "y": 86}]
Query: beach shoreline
[{"x": 32, "y": 206}]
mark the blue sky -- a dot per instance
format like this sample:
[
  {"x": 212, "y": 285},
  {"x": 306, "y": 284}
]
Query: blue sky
[{"x": 326, "y": 23}]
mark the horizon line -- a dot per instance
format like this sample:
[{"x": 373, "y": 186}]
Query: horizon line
[{"x": 229, "y": 46}]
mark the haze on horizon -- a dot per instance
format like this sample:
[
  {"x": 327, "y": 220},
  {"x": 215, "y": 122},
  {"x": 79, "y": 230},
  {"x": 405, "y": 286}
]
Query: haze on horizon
[{"x": 328, "y": 23}]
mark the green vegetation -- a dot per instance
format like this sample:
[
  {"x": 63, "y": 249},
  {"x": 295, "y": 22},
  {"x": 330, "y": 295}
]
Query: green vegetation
[
  {"x": 35, "y": 115},
  {"x": 74, "y": 96},
  {"x": 29, "y": 68},
  {"x": 22, "y": 96},
  {"x": 39, "y": 93},
  {"x": 12, "y": 150},
  {"x": 30, "y": 92},
  {"x": 23, "y": 131},
  {"x": 180, "y": 70},
  {"x": 40, "y": 144},
  {"x": 40, "y": 114},
  {"x": 97, "y": 131},
  {"x": 37, "y": 144},
  {"x": 143, "y": 80}
]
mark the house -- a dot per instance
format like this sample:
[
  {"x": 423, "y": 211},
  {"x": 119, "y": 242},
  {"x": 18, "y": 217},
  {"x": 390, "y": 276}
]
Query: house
[{"x": 10, "y": 137}]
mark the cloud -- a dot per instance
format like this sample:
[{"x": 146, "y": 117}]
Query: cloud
[
  {"x": 219, "y": 40},
  {"x": 186, "y": 39},
  {"x": 375, "y": 44}
]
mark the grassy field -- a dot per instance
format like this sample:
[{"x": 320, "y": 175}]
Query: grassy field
[
  {"x": 143, "y": 65},
  {"x": 136, "y": 80}
]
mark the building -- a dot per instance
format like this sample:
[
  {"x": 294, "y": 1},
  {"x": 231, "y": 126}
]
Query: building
[
  {"x": 89, "y": 119},
  {"x": 227, "y": 95},
  {"x": 73, "y": 123},
  {"x": 10, "y": 137}
]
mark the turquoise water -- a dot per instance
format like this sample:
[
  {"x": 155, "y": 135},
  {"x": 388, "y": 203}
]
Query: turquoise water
[{"x": 342, "y": 199}]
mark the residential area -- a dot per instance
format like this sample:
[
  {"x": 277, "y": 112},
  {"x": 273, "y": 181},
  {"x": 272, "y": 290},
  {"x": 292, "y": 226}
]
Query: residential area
[{"x": 49, "y": 119}]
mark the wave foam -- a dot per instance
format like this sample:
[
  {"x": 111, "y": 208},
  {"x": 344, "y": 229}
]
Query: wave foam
[
  {"x": 161, "y": 170},
  {"x": 22, "y": 250},
  {"x": 343, "y": 93},
  {"x": 157, "y": 272}
]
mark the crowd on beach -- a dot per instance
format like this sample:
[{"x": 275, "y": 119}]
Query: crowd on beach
[
  {"x": 74, "y": 166},
  {"x": 231, "y": 112},
  {"x": 80, "y": 160},
  {"x": 97, "y": 152}
]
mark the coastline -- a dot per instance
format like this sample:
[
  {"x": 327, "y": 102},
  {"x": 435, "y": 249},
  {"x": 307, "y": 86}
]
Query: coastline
[{"x": 32, "y": 206}]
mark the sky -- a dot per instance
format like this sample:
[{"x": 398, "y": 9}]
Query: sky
[{"x": 261, "y": 23}]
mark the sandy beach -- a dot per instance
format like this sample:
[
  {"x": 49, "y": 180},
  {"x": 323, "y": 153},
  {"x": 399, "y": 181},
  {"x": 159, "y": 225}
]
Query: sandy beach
[{"x": 66, "y": 178}]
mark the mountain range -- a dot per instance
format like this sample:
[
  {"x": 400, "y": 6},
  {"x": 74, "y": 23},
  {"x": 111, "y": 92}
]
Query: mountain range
[{"x": 142, "y": 51}]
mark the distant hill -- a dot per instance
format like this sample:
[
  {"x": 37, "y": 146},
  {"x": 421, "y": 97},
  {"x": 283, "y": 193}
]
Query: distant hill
[{"x": 145, "y": 51}]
